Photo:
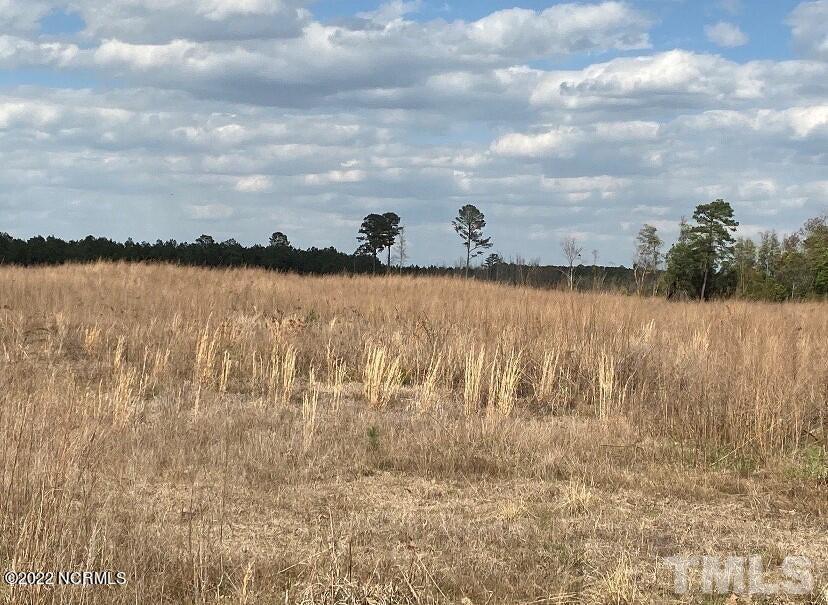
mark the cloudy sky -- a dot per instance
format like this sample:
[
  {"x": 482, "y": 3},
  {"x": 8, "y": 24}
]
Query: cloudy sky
[{"x": 237, "y": 118}]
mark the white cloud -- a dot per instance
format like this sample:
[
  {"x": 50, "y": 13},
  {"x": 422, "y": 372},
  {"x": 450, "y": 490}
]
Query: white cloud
[
  {"x": 380, "y": 60},
  {"x": 680, "y": 80},
  {"x": 565, "y": 141},
  {"x": 159, "y": 21},
  {"x": 255, "y": 183},
  {"x": 20, "y": 17},
  {"x": 254, "y": 116},
  {"x": 804, "y": 121},
  {"x": 602, "y": 184},
  {"x": 680, "y": 76},
  {"x": 726, "y": 34},
  {"x": 560, "y": 29},
  {"x": 392, "y": 11},
  {"x": 20, "y": 52},
  {"x": 758, "y": 189},
  {"x": 557, "y": 142},
  {"x": 336, "y": 176},
  {"x": 809, "y": 27},
  {"x": 794, "y": 123}
]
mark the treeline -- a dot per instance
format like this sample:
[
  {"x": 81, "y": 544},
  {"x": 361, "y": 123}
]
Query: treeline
[
  {"x": 520, "y": 272},
  {"x": 205, "y": 251},
  {"x": 277, "y": 255},
  {"x": 706, "y": 262}
]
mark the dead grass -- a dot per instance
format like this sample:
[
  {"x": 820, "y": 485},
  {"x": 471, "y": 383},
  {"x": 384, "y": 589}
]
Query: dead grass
[{"x": 241, "y": 436}]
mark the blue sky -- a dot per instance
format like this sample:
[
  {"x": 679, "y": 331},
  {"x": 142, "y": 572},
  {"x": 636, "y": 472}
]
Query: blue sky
[{"x": 556, "y": 118}]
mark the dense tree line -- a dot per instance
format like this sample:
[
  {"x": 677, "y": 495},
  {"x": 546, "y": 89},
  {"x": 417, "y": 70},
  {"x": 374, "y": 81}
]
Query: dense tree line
[
  {"x": 794, "y": 266},
  {"x": 706, "y": 261},
  {"x": 277, "y": 255},
  {"x": 205, "y": 251}
]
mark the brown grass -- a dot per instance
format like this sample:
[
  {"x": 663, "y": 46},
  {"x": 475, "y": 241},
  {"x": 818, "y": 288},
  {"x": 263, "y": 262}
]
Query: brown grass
[{"x": 242, "y": 436}]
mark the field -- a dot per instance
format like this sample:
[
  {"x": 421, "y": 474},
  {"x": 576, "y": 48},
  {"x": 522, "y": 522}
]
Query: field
[{"x": 246, "y": 437}]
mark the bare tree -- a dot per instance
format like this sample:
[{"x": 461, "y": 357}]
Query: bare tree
[
  {"x": 597, "y": 276},
  {"x": 519, "y": 273},
  {"x": 531, "y": 269},
  {"x": 401, "y": 249},
  {"x": 572, "y": 252}
]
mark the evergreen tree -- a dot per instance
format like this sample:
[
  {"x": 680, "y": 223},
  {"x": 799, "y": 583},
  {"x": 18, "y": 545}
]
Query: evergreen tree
[
  {"x": 711, "y": 236},
  {"x": 279, "y": 240},
  {"x": 392, "y": 231},
  {"x": 379, "y": 231},
  {"x": 469, "y": 225},
  {"x": 491, "y": 263}
]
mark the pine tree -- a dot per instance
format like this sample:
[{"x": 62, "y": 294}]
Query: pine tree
[
  {"x": 469, "y": 225},
  {"x": 711, "y": 236}
]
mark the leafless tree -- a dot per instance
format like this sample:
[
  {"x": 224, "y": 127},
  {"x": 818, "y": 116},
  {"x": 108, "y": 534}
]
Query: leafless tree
[
  {"x": 572, "y": 252},
  {"x": 401, "y": 249},
  {"x": 597, "y": 276},
  {"x": 520, "y": 273}
]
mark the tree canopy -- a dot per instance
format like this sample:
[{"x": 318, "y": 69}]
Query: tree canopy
[
  {"x": 379, "y": 232},
  {"x": 278, "y": 239}
]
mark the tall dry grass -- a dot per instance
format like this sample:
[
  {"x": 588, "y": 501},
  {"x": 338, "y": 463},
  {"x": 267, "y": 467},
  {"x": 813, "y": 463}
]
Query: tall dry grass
[{"x": 121, "y": 383}]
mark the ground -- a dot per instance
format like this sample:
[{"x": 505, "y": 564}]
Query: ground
[{"x": 242, "y": 436}]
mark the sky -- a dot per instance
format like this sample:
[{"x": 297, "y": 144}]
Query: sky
[{"x": 159, "y": 119}]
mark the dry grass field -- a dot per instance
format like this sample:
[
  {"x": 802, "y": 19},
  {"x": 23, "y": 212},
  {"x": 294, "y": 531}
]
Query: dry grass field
[{"x": 246, "y": 437}]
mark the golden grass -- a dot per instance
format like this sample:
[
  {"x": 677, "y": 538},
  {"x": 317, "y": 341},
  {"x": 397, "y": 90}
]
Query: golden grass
[
  {"x": 381, "y": 377},
  {"x": 242, "y": 436}
]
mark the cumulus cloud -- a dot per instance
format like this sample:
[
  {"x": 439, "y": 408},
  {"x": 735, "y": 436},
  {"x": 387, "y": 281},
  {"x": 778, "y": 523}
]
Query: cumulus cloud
[
  {"x": 21, "y": 17},
  {"x": 557, "y": 142},
  {"x": 795, "y": 123},
  {"x": 329, "y": 60},
  {"x": 391, "y": 11},
  {"x": 565, "y": 141},
  {"x": 726, "y": 34},
  {"x": 19, "y": 52},
  {"x": 809, "y": 27},
  {"x": 242, "y": 117},
  {"x": 679, "y": 79},
  {"x": 561, "y": 29},
  {"x": 159, "y": 21}
]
